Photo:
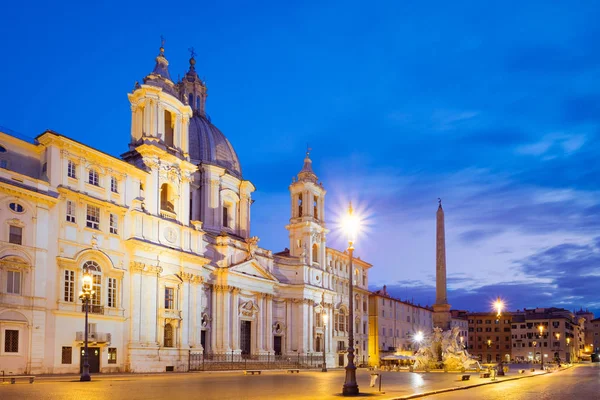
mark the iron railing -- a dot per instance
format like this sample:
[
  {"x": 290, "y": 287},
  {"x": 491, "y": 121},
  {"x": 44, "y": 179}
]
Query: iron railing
[{"x": 231, "y": 361}]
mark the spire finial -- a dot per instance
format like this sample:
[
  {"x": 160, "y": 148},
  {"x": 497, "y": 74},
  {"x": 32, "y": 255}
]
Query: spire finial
[
  {"x": 439, "y": 202},
  {"x": 308, "y": 150},
  {"x": 192, "y": 59},
  {"x": 162, "y": 45}
]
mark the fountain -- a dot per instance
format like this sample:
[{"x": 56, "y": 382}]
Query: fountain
[{"x": 443, "y": 351}]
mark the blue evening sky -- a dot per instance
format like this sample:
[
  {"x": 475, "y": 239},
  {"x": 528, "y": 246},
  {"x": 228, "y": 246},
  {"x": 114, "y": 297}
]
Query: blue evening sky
[{"x": 492, "y": 106}]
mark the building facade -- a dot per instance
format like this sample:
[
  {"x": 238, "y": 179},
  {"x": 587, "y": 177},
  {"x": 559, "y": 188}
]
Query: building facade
[
  {"x": 393, "y": 324},
  {"x": 560, "y": 335},
  {"x": 164, "y": 230},
  {"x": 490, "y": 337}
]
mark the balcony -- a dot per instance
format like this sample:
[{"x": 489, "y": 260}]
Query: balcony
[
  {"x": 93, "y": 309},
  {"x": 94, "y": 337}
]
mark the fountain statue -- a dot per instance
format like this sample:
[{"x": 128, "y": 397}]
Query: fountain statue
[{"x": 443, "y": 351}]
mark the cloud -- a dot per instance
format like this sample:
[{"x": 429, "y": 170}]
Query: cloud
[{"x": 476, "y": 235}]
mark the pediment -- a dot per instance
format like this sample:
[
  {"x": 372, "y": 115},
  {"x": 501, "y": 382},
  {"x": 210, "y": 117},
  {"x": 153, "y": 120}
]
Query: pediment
[{"x": 253, "y": 268}]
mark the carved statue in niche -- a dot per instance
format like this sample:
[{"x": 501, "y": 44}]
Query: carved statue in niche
[
  {"x": 251, "y": 247},
  {"x": 278, "y": 328}
]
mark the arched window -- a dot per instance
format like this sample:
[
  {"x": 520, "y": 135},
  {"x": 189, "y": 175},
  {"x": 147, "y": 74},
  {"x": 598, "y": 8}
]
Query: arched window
[
  {"x": 94, "y": 269},
  {"x": 316, "y": 207},
  {"x": 169, "y": 123},
  {"x": 299, "y": 202},
  {"x": 167, "y": 198},
  {"x": 191, "y": 100},
  {"x": 198, "y": 103},
  {"x": 168, "y": 342},
  {"x": 315, "y": 253}
]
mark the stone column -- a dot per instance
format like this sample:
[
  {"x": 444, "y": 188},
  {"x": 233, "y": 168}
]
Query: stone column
[
  {"x": 260, "y": 327},
  {"x": 311, "y": 325},
  {"x": 216, "y": 347},
  {"x": 226, "y": 311},
  {"x": 235, "y": 318},
  {"x": 269, "y": 325},
  {"x": 288, "y": 325}
]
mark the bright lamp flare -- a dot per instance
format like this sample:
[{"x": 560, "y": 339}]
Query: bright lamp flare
[
  {"x": 325, "y": 319},
  {"x": 351, "y": 225},
  {"x": 419, "y": 337},
  {"x": 498, "y": 306}
]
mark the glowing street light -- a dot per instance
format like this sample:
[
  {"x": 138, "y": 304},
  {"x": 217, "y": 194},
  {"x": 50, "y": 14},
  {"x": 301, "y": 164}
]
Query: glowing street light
[
  {"x": 418, "y": 337},
  {"x": 85, "y": 295},
  {"x": 541, "y": 328},
  {"x": 351, "y": 227},
  {"x": 498, "y": 306}
]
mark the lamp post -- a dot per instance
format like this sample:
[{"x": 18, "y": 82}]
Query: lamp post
[
  {"x": 541, "y": 328},
  {"x": 558, "y": 340},
  {"x": 350, "y": 387},
  {"x": 489, "y": 343},
  {"x": 499, "y": 305},
  {"x": 325, "y": 320},
  {"x": 85, "y": 296},
  {"x": 568, "y": 349}
]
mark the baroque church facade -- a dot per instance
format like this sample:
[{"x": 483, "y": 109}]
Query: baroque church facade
[{"x": 165, "y": 232}]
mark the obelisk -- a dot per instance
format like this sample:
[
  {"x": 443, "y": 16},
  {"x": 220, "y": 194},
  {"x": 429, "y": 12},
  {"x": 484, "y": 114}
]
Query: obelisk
[{"x": 441, "y": 308}]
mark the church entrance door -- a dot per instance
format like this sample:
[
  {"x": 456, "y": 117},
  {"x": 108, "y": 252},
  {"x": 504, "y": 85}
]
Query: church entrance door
[
  {"x": 245, "y": 337},
  {"x": 277, "y": 345}
]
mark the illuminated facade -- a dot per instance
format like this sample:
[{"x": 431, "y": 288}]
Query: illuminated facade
[{"x": 165, "y": 231}]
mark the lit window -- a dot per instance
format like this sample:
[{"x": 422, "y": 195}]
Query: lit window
[
  {"x": 112, "y": 355},
  {"x": 70, "y": 211},
  {"x": 11, "y": 341},
  {"x": 67, "y": 355},
  {"x": 112, "y": 292},
  {"x": 69, "y": 294},
  {"x": 15, "y": 235},
  {"x": 16, "y": 207},
  {"x": 114, "y": 221},
  {"x": 72, "y": 170},
  {"x": 93, "y": 217},
  {"x": 93, "y": 177},
  {"x": 168, "y": 333},
  {"x": 94, "y": 269},
  {"x": 169, "y": 298},
  {"x": 13, "y": 282},
  {"x": 114, "y": 185}
]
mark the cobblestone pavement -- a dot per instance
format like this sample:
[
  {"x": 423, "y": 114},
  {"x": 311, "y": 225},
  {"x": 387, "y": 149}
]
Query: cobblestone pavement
[
  {"x": 235, "y": 385},
  {"x": 581, "y": 383}
]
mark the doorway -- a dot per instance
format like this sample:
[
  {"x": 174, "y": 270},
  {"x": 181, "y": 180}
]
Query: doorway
[
  {"x": 246, "y": 337},
  {"x": 277, "y": 345},
  {"x": 203, "y": 341},
  {"x": 341, "y": 360},
  {"x": 93, "y": 360}
]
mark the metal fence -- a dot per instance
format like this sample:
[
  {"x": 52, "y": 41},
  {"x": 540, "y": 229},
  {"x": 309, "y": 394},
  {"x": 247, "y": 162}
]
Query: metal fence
[{"x": 231, "y": 361}]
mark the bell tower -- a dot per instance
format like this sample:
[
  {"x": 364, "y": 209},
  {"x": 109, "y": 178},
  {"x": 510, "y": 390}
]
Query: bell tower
[{"x": 307, "y": 220}]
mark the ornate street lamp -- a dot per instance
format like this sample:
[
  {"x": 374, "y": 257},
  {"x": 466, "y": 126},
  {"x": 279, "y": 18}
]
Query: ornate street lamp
[
  {"x": 558, "y": 340},
  {"x": 325, "y": 320},
  {"x": 541, "y": 328},
  {"x": 569, "y": 349},
  {"x": 85, "y": 295},
  {"x": 350, "y": 387}
]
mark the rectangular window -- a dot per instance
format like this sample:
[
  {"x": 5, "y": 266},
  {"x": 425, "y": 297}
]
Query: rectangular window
[
  {"x": 114, "y": 224},
  {"x": 114, "y": 185},
  {"x": 72, "y": 170},
  {"x": 13, "y": 282},
  {"x": 67, "y": 355},
  {"x": 112, "y": 355},
  {"x": 97, "y": 288},
  {"x": 93, "y": 217},
  {"x": 169, "y": 298},
  {"x": 112, "y": 292},
  {"x": 71, "y": 211},
  {"x": 93, "y": 177},
  {"x": 69, "y": 294},
  {"x": 225, "y": 216},
  {"x": 11, "y": 341},
  {"x": 15, "y": 235}
]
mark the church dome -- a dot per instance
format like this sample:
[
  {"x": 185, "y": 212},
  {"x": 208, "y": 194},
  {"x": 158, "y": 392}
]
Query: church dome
[{"x": 208, "y": 145}]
